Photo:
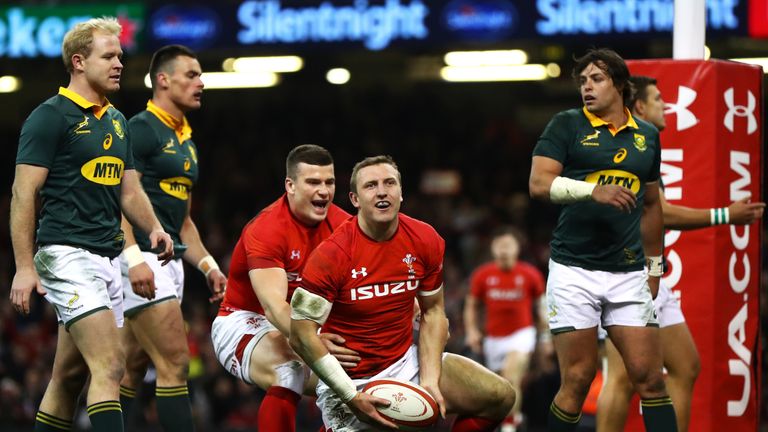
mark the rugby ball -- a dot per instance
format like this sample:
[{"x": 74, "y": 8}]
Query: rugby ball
[{"x": 411, "y": 407}]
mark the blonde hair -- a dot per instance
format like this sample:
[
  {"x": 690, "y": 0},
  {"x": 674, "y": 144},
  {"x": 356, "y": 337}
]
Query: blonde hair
[{"x": 79, "y": 39}]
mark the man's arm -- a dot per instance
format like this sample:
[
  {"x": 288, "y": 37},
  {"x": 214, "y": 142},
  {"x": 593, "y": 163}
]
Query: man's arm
[
  {"x": 741, "y": 212},
  {"x": 27, "y": 183},
  {"x": 137, "y": 208},
  {"x": 271, "y": 288},
  {"x": 471, "y": 313},
  {"x": 652, "y": 231},
  {"x": 197, "y": 255},
  {"x": 546, "y": 184},
  {"x": 141, "y": 277},
  {"x": 433, "y": 334},
  {"x": 309, "y": 311}
]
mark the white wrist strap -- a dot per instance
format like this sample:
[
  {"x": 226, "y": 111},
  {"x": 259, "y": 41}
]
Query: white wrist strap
[
  {"x": 565, "y": 190},
  {"x": 655, "y": 266},
  {"x": 330, "y": 371},
  {"x": 133, "y": 255},
  {"x": 207, "y": 265},
  {"x": 719, "y": 216}
]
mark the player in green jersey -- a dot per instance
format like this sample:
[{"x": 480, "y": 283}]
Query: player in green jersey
[
  {"x": 166, "y": 161},
  {"x": 74, "y": 153},
  {"x": 603, "y": 166},
  {"x": 681, "y": 358}
]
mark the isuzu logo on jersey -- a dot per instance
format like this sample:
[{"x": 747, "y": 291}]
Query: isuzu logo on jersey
[
  {"x": 382, "y": 290},
  {"x": 685, "y": 118},
  {"x": 734, "y": 110},
  {"x": 362, "y": 273}
]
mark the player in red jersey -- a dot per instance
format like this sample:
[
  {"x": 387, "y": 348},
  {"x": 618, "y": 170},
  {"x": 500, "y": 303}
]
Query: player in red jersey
[
  {"x": 250, "y": 332},
  {"x": 510, "y": 291},
  {"x": 361, "y": 284}
]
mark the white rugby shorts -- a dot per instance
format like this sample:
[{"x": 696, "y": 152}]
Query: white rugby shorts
[
  {"x": 497, "y": 348},
  {"x": 169, "y": 283},
  {"x": 79, "y": 282},
  {"x": 240, "y": 329},
  {"x": 668, "y": 307},
  {"x": 337, "y": 415},
  {"x": 578, "y": 298}
]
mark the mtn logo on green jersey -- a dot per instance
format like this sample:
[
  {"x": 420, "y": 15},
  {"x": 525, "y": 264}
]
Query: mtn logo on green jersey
[
  {"x": 105, "y": 170},
  {"x": 615, "y": 177},
  {"x": 177, "y": 187}
]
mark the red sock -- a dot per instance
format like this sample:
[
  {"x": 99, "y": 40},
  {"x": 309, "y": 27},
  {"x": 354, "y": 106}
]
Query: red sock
[
  {"x": 474, "y": 424},
  {"x": 277, "y": 412}
]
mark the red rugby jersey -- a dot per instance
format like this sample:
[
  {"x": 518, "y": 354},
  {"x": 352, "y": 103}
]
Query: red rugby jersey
[
  {"x": 372, "y": 286},
  {"x": 274, "y": 238},
  {"x": 507, "y": 295}
]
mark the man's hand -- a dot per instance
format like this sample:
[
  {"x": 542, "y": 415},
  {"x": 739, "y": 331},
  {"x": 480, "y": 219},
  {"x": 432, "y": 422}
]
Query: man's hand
[
  {"x": 653, "y": 284},
  {"x": 434, "y": 390},
  {"x": 217, "y": 283},
  {"x": 160, "y": 238},
  {"x": 475, "y": 341},
  {"x": 142, "y": 280},
  {"x": 333, "y": 343},
  {"x": 363, "y": 406},
  {"x": 24, "y": 281},
  {"x": 743, "y": 212},
  {"x": 615, "y": 196}
]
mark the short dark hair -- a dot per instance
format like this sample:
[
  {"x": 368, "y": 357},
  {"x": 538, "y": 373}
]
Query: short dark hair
[
  {"x": 370, "y": 161},
  {"x": 610, "y": 62},
  {"x": 163, "y": 58},
  {"x": 310, "y": 154},
  {"x": 505, "y": 230},
  {"x": 639, "y": 85}
]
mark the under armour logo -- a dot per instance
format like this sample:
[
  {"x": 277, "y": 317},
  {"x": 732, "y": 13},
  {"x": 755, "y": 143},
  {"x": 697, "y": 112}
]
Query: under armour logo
[
  {"x": 362, "y": 273},
  {"x": 747, "y": 111},
  {"x": 685, "y": 118},
  {"x": 295, "y": 254}
]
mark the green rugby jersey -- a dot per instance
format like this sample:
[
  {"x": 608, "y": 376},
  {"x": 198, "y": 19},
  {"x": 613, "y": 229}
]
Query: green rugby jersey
[
  {"x": 167, "y": 159},
  {"x": 86, "y": 151},
  {"x": 591, "y": 235}
]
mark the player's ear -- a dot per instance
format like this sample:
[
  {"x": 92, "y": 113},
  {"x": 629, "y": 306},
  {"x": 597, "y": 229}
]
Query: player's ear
[
  {"x": 290, "y": 186},
  {"x": 77, "y": 61},
  {"x": 162, "y": 80},
  {"x": 354, "y": 200}
]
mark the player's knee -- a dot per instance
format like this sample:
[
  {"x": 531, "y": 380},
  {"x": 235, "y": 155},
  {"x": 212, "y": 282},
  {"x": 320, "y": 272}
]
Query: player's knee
[
  {"x": 111, "y": 367},
  {"x": 650, "y": 384},
  {"x": 292, "y": 375},
  {"x": 618, "y": 385},
  {"x": 71, "y": 380},
  {"x": 578, "y": 380},
  {"x": 174, "y": 366}
]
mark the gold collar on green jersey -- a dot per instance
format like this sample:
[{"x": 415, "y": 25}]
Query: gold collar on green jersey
[
  {"x": 181, "y": 127},
  {"x": 98, "y": 110},
  {"x": 596, "y": 121}
]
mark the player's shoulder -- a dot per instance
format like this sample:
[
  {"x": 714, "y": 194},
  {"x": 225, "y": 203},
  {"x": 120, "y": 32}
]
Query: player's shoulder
[
  {"x": 526, "y": 267},
  {"x": 55, "y": 106},
  {"x": 143, "y": 119},
  {"x": 646, "y": 127},
  {"x": 488, "y": 267},
  {"x": 419, "y": 229},
  {"x": 115, "y": 113},
  {"x": 337, "y": 216},
  {"x": 269, "y": 221},
  {"x": 485, "y": 269},
  {"x": 572, "y": 117}
]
